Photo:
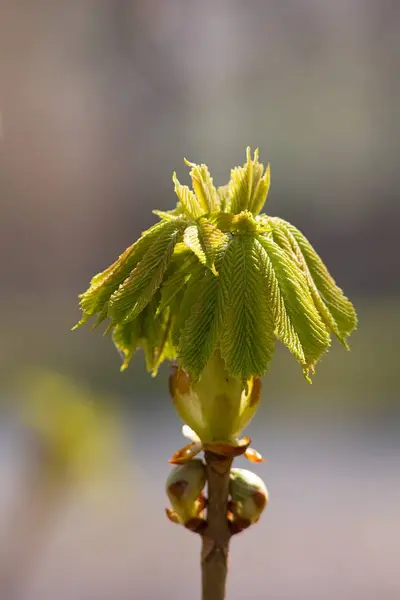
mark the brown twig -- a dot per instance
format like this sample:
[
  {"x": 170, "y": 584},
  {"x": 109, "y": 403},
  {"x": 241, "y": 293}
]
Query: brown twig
[{"x": 215, "y": 550}]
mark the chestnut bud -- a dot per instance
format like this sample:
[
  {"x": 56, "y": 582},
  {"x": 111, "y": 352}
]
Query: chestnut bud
[
  {"x": 249, "y": 497},
  {"x": 184, "y": 488}
]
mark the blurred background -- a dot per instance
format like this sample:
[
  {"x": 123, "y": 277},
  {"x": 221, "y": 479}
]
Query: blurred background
[{"x": 100, "y": 100}]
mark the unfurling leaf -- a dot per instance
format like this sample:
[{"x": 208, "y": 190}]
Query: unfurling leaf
[
  {"x": 192, "y": 241},
  {"x": 168, "y": 215},
  {"x": 200, "y": 333},
  {"x": 247, "y": 338},
  {"x": 205, "y": 240},
  {"x": 297, "y": 321},
  {"x": 188, "y": 200},
  {"x": 155, "y": 336},
  {"x": 216, "y": 278},
  {"x": 171, "y": 287},
  {"x": 223, "y": 193},
  {"x": 336, "y": 310},
  {"x": 104, "y": 284},
  {"x": 126, "y": 339},
  {"x": 248, "y": 187},
  {"x": 188, "y": 299},
  {"x": 139, "y": 287},
  {"x": 204, "y": 188}
]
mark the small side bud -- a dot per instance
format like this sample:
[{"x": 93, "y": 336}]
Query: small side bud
[
  {"x": 184, "y": 488},
  {"x": 249, "y": 497}
]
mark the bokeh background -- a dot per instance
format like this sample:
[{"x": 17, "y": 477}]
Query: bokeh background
[{"x": 100, "y": 100}]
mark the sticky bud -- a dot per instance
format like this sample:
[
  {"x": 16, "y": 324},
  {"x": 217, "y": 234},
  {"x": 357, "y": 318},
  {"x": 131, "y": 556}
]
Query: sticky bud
[
  {"x": 249, "y": 497},
  {"x": 217, "y": 407},
  {"x": 184, "y": 488}
]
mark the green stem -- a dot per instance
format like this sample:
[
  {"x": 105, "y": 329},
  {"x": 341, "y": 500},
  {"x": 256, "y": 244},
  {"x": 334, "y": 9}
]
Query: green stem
[{"x": 215, "y": 550}]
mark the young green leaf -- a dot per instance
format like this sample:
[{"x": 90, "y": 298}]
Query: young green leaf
[
  {"x": 223, "y": 193},
  {"x": 188, "y": 298},
  {"x": 104, "y": 284},
  {"x": 297, "y": 321},
  {"x": 214, "y": 274},
  {"x": 247, "y": 339},
  {"x": 205, "y": 240},
  {"x": 138, "y": 289},
  {"x": 336, "y": 310},
  {"x": 151, "y": 333},
  {"x": 212, "y": 240},
  {"x": 172, "y": 286},
  {"x": 204, "y": 187},
  {"x": 192, "y": 240},
  {"x": 126, "y": 339},
  {"x": 222, "y": 220},
  {"x": 240, "y": 187},
  {"x": 200, "y": 333},
  {"x": 248, "y": 188},
  {"x": 261, "y": 184},
  {"x": 155, "y": 335},
  {"x": 168, "y": 215},
  {"x": 190, "y": 204}
]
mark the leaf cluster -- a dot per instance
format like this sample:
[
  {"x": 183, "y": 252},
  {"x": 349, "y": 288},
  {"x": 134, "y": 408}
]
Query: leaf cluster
[{"x": 215, "y": 274}]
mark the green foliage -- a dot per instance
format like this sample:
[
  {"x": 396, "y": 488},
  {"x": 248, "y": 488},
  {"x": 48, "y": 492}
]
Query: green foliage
[
  {"x": 248, "y": 187},
  {"x": 297, "y": 321},
  {"x": 133, "y": 295},
  {"x": 126, "y": 339},
  {"x": 206, "y": 194},
  {"x": 204, "y": 239},
  {"x": 213, "y": 275},
  {"x": 247, "y": 340},
  {"x": 188, "y": 201},
  {"x": 335, "y": 309},
  {"x": 200, "y": 332}
]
